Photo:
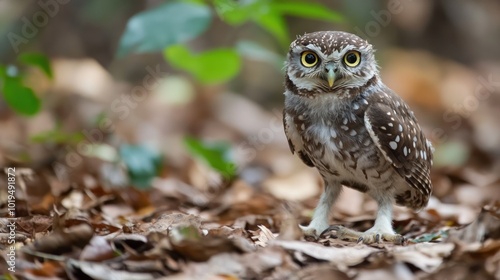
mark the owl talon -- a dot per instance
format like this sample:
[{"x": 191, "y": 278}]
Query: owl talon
[
  {"x": 368, "y": 237},
  {"x": 330, "y": 228},
  {"x": 400, "y": 240}
]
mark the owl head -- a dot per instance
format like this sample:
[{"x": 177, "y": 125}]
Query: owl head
[{"x": 327, "y": 61}]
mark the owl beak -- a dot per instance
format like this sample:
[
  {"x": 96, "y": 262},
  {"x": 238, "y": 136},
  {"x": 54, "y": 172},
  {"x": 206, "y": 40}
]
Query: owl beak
[
  {"x": 330, "y": 77},
  {"x": 330, "y": 73}
]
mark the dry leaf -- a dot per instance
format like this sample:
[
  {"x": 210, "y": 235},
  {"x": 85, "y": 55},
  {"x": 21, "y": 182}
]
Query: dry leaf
[{"x": 342, "y": 257}]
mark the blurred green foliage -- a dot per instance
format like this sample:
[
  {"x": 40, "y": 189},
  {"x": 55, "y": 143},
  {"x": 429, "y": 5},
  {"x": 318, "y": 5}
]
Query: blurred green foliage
[
  {"x": 37, "y": 60},
  {"x": 217, "y": 155},
  {"x": 270, "y": 14},
  {"x": 171, "y": 25},
  {"x": 212, "y": 66},
  {"x": 168, "y": 24},
  {"x": 168, "y": 28},
  {"x": 19, "y": 97},
  {"x": 429, "y": 237},
  {"x": 143, "y": 163},
  {"x": 58, "y": 136}
]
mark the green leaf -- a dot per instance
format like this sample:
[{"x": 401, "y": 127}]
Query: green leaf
[
  {"x": 168, "y": 24},
  {"x": 38, "y": 60},
  {"x": 431, "y": 236},
  {"x": 20, "y": 98},
  {"x": 213, "y": 66},
  {"x": 142, "y": 162},
  {"x": 216, "y": 155},
  {"x": 307, "y": 10}
]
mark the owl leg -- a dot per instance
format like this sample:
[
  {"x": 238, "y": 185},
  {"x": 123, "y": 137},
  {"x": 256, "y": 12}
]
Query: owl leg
[
  {"x": 381, "y": 230},
  {"x": 319, "y": 220}
]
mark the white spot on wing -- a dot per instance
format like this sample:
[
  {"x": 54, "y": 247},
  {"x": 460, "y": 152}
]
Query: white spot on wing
[{"x": 393, "y": 145}]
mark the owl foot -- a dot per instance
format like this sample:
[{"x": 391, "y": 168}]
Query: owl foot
[
  {"x": 369, "y": 237},
  {"x": 312, "y": 230}
]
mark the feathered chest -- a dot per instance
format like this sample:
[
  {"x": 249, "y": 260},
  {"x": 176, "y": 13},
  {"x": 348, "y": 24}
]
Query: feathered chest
[
  {"x": 334, "y": 135},
  {"x": 343, "y": 137},
  {"x": 327, "y": 122}
]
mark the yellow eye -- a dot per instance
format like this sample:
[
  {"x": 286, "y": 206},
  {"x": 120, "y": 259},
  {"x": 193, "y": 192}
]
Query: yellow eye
[
  {"x": 308, "y": 59},
  {"x": 352, "y": 59}
]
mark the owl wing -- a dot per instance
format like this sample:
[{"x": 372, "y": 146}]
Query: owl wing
[
  {"x": 395, "y": 131},
  {"x": 294, "y": 140}
]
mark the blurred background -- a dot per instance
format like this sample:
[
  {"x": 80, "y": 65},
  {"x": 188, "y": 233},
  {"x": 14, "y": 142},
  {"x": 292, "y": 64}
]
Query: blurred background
[{"x": 184, "y": 98}]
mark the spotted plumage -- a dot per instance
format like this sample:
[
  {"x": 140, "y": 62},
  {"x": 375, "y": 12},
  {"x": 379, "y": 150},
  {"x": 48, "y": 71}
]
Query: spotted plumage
[{"x": 340, "y": 118}]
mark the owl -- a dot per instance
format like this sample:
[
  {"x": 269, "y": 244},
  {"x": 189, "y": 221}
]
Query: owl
[{"x": 340, "y": 118}]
